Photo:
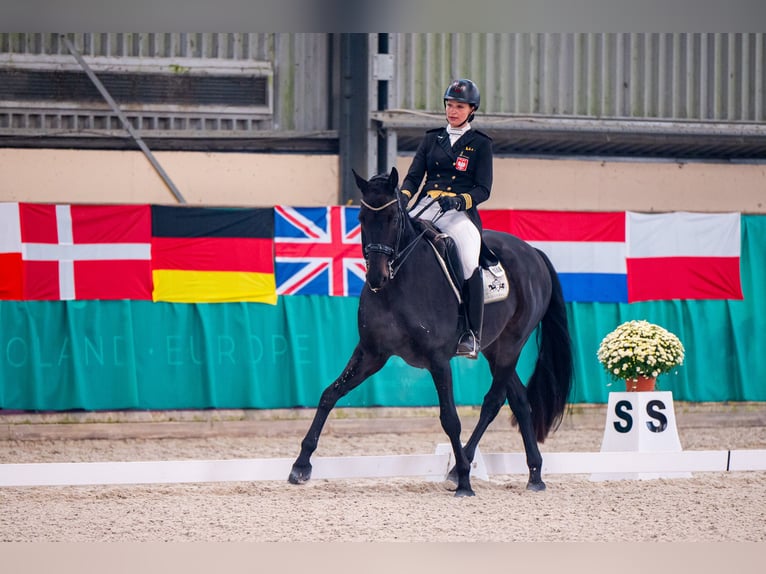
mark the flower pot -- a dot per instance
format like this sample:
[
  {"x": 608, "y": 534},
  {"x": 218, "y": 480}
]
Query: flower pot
[{"x": 641, "y": 384}]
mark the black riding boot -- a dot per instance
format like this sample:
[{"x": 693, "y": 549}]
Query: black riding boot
[{"x": 473, "y": 301}]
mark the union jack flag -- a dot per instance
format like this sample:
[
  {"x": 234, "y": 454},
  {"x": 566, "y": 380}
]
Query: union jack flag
[{"x": 318, "y": 251}]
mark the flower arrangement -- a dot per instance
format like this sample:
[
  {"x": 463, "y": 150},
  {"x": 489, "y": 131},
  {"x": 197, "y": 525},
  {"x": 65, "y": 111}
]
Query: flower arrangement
[{"x": 639, "y": 349}]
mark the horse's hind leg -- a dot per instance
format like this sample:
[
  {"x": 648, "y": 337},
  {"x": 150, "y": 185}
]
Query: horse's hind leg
[
  {"x": 493, "y": 402},
  {"x": 517, "y": 399},
  {"x": 506, "y": 384},
  {"x": 360, "y": 366}
]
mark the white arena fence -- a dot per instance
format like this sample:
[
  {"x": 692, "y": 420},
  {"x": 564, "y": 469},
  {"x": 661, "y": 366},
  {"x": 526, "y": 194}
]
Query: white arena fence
[{"x": 432, "y": 467}]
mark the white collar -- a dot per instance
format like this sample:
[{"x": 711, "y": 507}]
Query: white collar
[{"x": 458, "y": 131}]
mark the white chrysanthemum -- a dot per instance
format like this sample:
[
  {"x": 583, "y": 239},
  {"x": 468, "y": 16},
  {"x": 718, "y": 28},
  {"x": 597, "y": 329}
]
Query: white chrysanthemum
[{"x": 638, "y": 347}]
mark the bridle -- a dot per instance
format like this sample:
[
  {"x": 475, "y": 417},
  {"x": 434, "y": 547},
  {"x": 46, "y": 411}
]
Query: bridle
[
  {"x": 386, "y": 250},
  {"x": 396, "y": 257}
]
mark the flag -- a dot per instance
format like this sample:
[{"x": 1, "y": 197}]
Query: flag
[
  {"x": 318, "y": 251},
  {"x": 11, "y": 285},
  {"x": 683, "y": 255},
  {"x": 85, "y": 251},
  {"x": 631, "y": 257},
  {"x": 587, "y": 249},
  {"x": 202, "y": 254}
]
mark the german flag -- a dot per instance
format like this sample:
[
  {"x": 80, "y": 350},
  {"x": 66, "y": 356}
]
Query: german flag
[{"x": 213, "y": 255}]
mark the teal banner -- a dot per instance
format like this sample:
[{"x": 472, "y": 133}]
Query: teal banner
[{"x": 108, "y": 355}]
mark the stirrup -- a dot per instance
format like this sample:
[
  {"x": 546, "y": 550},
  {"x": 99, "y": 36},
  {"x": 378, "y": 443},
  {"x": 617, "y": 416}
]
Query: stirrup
[{"x": 468, "y": 346}]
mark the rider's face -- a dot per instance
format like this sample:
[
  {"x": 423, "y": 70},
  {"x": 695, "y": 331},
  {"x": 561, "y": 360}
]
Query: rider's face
[{"x": 457, "y": 112}]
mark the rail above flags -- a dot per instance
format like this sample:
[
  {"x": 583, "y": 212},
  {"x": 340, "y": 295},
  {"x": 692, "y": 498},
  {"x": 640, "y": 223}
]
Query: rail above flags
[{"x": 629, "y": 257}]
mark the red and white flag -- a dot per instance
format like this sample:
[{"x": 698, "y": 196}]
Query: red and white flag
[
  {"x": 11, "y": 285},
  {"x": 683, "y": 255},
  {"x": 86, "y": 251},
  {"x": 629, "y": 257}
]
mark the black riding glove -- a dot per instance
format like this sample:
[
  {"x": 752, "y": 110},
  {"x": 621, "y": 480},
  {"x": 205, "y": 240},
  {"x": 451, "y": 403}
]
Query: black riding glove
[{"x": 447, "y": 202}]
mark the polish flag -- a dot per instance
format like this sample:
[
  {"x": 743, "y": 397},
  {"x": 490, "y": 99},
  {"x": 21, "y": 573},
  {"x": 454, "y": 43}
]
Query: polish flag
[
  {"x": 11, "y": 283},
  {"x": 683, "y": 255}
]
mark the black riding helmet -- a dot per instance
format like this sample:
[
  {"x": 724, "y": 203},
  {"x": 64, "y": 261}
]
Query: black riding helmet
[{"x": 463, "y": 90}]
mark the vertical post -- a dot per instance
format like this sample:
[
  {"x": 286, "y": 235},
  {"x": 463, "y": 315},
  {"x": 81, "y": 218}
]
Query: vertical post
[
  {"x": 383, "y": 86},
  {"x": 354, "y": 114},
  {"x": 367, "y": 73}
]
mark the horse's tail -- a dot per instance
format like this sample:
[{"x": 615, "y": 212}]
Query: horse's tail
[{"x": 548, "y": 388}]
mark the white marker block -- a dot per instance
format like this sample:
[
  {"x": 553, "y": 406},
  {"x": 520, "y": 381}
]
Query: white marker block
[
  {"x": 478, "y": 468},
  {"x": 640, "y": 422}
]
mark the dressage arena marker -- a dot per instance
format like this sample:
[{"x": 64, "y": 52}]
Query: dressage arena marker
[
  {"x": 640, "y": 422},
  {"x": 430, "y": 467}
]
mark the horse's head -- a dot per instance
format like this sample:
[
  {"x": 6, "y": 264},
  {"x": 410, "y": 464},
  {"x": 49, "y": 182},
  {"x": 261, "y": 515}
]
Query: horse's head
[{"x": 383, "y": 218}]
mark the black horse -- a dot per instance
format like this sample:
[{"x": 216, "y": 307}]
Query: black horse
[{"x": 409, "y": 308}]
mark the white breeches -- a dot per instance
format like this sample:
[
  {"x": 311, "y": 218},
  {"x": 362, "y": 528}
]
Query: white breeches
[{"x": 457, "y": 225}]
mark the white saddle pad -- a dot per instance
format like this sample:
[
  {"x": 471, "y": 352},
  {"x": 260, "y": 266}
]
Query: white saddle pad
[{"x": 495, "y": 284}]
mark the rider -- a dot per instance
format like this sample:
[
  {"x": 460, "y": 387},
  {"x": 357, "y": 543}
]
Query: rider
[{"x": 457, "y": 163}]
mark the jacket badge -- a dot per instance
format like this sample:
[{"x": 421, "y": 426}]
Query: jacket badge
[{"x": 461, "y": 163}]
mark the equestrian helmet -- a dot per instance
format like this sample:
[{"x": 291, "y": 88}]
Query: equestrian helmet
[{"x": 463, "y": 91}]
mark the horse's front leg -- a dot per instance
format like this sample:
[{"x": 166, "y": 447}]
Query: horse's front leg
[
  {"x": 450, "y": 422},
  {"x": 493, "y": 402},
  {"x": 360, "y": 366}
]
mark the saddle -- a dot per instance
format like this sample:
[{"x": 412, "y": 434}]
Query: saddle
[{"x": 493, "y": 272}]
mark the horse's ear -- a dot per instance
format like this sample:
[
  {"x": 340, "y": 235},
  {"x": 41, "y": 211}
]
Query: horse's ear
[
  {"x": 361, "y": 183},
  {"x": 393, "y": 179}
]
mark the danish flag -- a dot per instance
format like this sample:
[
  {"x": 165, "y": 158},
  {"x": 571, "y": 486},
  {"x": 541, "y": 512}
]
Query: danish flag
[{"x": 318, "y": 251}]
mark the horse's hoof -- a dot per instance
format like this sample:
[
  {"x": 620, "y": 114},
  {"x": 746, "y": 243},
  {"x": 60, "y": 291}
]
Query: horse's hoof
[
  {"x": 299, "y": 474},
  {"x": 461, "y": 492},
  {"x": 536, "y": 486}
]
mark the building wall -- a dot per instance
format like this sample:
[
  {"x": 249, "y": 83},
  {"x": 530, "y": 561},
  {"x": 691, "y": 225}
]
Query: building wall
[
  {"x": 65, "y": 176},
  {"x": 299, "y": 67},
  {"x": 680, "y": 76}
]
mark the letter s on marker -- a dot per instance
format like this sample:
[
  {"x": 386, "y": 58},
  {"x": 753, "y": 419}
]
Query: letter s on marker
[
  {"x": 653, "y": 409},
  {"x": 621, "y": 410}
]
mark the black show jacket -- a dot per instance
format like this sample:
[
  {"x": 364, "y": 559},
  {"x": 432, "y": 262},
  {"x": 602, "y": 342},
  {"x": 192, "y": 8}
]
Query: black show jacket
[{"x": 463, "y": 169}]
